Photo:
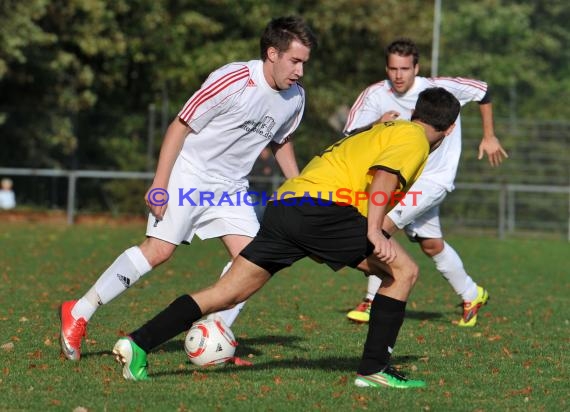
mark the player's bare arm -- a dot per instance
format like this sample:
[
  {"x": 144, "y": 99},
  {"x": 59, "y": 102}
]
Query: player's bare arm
[
  {"x": 384, "y": 182},
  {"x": 285, "y": 156},
  {"x": 490, "y": 144},
  {"x": 171, "y": 146}
]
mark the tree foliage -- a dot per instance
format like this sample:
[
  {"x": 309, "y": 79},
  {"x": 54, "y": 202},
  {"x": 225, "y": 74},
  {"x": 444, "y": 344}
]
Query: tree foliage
[{"x": 77, "y": 77}]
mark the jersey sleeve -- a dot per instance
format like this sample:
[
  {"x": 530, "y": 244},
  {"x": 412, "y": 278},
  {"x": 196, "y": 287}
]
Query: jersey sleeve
[
  {"x": 215, "y": 95},
  {"x": 405, "y": 156},
  {"x": 366, "y": 109},
  {"x": 465, "y": 90}
]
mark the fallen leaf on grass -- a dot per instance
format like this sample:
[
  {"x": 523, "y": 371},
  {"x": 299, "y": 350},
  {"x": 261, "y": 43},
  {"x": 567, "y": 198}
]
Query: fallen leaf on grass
[
  {"x": 265, "y": 389},
  {"x": 7, "y": 347},
  {"x": 527, "y": 364},
  {"x": 198, "y": 376},
  {"x": 525, "y": 391},
  {"x": 342, "y": 380}
]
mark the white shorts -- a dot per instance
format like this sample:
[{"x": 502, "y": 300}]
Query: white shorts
[
  {"x": 419, "y": 215},
  {"x": 202, "y": 205}
]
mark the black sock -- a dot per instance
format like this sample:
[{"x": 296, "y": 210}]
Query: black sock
[
  {"x": 386, "y": 318},
  {"x": 176, "y": 318}
]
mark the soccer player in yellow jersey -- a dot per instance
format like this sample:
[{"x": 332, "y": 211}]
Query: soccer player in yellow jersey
[
  {"x": 333, "y": 211},
  {"x": 343, "y": 172}
]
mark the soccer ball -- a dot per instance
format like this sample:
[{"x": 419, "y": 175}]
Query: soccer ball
[{"x": 210, "y": 342}]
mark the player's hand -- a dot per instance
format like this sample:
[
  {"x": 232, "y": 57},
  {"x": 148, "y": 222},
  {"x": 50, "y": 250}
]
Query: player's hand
[
  {"x": 388, "y": 116},
  {"x": 383, "y": 247},
  {"x": 156, "y": 198},
  {"x": 494, "y": 151}
]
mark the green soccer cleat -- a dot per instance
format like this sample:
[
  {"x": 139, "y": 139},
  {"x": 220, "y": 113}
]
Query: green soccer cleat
[
  {"x": 389, "y": 377},
  {"x": 470, "y": 309},
  {"x": 133, "y": 359},
  {"x": 361, "y": 313}
]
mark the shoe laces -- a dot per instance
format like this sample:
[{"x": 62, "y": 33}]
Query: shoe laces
[
  {"x": 77, "y": 332},
  {"x": 389, "y": 370}
]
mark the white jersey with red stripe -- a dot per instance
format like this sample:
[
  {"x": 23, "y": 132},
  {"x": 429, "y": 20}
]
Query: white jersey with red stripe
[
  {"x": 379, "y": 98},
  {"x": 234, "y": 115}
]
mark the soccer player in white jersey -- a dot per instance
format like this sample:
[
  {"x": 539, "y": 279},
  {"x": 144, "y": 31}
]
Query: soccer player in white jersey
[
  {"x": 207, "y": 153},
  {"x": 396, "y": 98}
]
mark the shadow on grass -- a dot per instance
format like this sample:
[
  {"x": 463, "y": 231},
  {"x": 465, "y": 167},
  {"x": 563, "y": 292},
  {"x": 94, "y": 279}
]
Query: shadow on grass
[
  {"x": 332, "y": 364},
  {"x": 415, "y": 315},
  {"x": 252, "y": 345},
  {"x": 96, "y": 354},
  {"x": 245, "y": 345},
  {"x": 423, "y": 315}
]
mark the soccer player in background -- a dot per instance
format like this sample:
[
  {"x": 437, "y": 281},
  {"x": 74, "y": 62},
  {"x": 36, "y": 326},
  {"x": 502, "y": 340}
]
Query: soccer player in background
[
  {"x": 395, "y": 98},
  {"x": 211, "y": 146},
  {"x": 323, "y": 213}
]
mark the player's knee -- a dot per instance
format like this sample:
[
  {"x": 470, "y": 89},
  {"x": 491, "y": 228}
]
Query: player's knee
[
  {"x": 157, "y": 252},
  {"x": 432, "y": 247},
  {"x": 411, "y": 273},
  {"x": 405, "y": 274}
]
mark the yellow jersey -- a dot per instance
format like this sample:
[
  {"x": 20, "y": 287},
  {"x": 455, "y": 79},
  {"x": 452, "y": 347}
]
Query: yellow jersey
[{"x": 342, "y": 173}]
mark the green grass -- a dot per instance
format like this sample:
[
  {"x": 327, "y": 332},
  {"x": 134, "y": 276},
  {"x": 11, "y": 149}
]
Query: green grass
[{"x": 305, "y": 352}]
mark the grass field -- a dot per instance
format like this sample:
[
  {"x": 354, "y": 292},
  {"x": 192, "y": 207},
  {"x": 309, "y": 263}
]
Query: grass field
[{"x": 304, "y": 351}]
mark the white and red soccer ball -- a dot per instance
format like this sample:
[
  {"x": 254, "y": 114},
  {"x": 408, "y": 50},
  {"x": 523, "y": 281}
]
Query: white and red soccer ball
[{"x": 210, "y": 342}]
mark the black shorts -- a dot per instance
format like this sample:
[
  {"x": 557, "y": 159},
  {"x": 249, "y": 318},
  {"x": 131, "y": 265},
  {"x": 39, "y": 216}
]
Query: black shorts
[{"x": 333, "y": 234}]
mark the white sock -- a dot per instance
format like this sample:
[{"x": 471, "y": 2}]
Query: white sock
[
  {"x": 374, "y": 283},
  {"x": 229, "y": 315},
  {"x": 124, "y": 272},
  {"x": 450, "y": 265},
  {"x": 83, "y": 308}
]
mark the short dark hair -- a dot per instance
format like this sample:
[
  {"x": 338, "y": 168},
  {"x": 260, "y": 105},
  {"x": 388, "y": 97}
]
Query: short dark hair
[
  {"x": 437, "y": 107},
  {"x": 403, "y": 46},
  {"x": 281, "y": 31}
]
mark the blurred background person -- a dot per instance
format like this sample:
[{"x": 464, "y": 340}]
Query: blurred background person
[{"x": 7, "y": 195}]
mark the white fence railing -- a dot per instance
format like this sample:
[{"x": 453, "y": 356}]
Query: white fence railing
[{"x": 503, "y": 204}]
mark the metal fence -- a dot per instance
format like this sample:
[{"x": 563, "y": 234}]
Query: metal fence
[
  {"x": 528, "y": 195},
  {"x": 503, "y": 209}
]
